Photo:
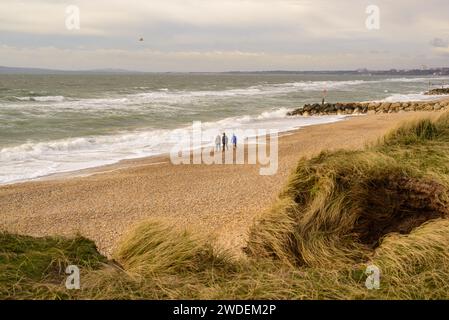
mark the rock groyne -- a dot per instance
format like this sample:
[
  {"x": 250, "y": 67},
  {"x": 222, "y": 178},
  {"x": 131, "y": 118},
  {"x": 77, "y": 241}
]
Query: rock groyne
[
  {"x": 436, "y": 92},
  {"x": 368, "y": 107}
]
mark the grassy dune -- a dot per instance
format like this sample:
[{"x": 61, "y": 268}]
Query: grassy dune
[{"x": 386, "y": 205}]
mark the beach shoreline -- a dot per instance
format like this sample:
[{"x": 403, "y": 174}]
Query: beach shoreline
[
  {"x": 144, "y": 161},
  {"x": 355, "y": 110},
  {"x": 220, "y": 201},
  {"x": 159, "y": 157}
]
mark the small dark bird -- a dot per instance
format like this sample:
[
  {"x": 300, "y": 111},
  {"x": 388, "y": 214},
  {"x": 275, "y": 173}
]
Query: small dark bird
[{"x": 141, "y": 39}]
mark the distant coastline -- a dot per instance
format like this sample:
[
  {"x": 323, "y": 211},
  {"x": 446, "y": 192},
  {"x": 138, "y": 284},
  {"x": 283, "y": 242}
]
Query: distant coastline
[{"x": 441, "y": 71}]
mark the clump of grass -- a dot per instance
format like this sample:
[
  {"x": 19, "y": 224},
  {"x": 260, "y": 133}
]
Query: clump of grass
[
  {"x": 33, "y": 267},
  {"x": 159, "y": 248},
  {"x": 338, "y": 206},
  {"x": 386, "y": 205},
  {"x": 418, "y": 131},
  {"x": 416, "y": 266}
]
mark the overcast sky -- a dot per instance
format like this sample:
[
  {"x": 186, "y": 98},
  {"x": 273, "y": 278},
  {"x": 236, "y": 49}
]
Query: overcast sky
[{"x": 223, "y": 35}]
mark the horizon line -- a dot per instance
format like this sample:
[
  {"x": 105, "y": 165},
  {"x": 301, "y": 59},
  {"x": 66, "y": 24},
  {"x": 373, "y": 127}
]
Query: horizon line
[{"x": 119, "y": 70}]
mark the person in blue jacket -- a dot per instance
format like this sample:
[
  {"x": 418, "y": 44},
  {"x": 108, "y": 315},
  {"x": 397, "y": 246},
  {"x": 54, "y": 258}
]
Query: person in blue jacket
[{"x": 234, "y": 141}]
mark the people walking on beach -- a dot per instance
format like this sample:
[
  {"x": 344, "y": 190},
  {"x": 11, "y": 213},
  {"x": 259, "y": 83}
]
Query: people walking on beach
[
  {"x": 234, "y": 141},
  {"x": 224, "y": 141},
  {"x": 217, "y": 143}
]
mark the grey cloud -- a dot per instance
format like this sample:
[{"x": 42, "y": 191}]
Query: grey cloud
[
  {"x": 297, "y": 29},
  {"x": 439, "y": 43}
]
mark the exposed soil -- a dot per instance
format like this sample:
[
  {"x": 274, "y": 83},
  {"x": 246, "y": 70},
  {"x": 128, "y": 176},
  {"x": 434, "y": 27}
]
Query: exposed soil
[{"x": 399, "y": 205}]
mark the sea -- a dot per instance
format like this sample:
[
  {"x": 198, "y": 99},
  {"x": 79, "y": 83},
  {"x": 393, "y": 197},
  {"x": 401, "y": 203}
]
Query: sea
[{"x": 60, "y": 123}]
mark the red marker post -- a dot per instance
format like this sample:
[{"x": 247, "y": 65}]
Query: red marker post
[{"x": 324, "y": 96}]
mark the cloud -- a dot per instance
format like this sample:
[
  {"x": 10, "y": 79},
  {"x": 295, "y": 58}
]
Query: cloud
[
  {"x": 300, "y": 31},
  {"x": 188, "y": 61},
  {"x": 439, "y": 43},
  {"x": 444, "y": 52}
]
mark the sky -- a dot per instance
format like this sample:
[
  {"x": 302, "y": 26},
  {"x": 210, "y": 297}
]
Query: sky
[{"x": 224, "y": 35}]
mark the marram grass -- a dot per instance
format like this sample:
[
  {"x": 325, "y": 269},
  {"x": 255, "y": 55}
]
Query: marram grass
[{"x": 340, "y": 212}]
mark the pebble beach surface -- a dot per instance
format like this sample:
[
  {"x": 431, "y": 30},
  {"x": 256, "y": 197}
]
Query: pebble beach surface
[{"x": 218, "y": 200}]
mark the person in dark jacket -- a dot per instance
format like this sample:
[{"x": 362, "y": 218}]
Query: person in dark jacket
[{"x": 224, "y": 141}]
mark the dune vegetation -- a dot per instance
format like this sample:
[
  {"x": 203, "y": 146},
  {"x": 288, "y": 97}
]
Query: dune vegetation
[{"x": 386, "y": 205}]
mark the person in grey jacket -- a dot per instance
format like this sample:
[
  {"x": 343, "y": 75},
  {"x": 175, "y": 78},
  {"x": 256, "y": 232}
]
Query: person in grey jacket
[{"x": 217, "y": 143}]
